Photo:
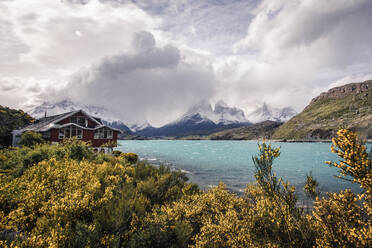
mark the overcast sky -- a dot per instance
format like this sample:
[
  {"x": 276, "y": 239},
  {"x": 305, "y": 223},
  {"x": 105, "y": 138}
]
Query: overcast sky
[{"x": 153, "y": 59}]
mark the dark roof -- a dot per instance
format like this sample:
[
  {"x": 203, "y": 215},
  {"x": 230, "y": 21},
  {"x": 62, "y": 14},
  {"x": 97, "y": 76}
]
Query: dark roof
[{"x": 46, "y": 123}]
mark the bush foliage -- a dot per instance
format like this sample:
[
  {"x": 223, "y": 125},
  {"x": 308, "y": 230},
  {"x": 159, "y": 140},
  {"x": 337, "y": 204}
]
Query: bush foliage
[
  {"x": 30, "y": 139},
  {"x": 68, "y": 196},
  {"x": 11, "y": 119}
]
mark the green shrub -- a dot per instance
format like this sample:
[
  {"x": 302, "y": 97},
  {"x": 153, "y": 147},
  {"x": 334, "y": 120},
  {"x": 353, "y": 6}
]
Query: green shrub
[
  {"x": 31, "y": 139},
  {"x": 116, "y": 153},
  {"x": 130, "y": 157}
]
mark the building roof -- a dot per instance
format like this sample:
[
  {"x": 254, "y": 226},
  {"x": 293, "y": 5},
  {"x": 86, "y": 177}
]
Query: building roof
[{"x": 47, "y": 123}]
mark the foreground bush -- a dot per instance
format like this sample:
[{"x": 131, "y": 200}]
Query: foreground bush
[
  {"x": 267, "y": 215},
  {"x": 345, "y": 218},
  {"x": 67, "y": 196}
]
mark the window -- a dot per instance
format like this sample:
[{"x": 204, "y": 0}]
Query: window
[
  {"x": 67, "y": 132},
  {"x": 79, "y": 133},
  {"x": 46, "y": 135},
  {"x": 61, "y": 134},
  {"x": 81, "y": 121},
  {"x": 103, "y": 133},
  {"x": 71, "y": 131}
]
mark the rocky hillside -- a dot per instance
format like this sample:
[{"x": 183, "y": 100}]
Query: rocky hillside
[
  {"x": 348, "y": 106},
  {"x": 262, "y": 130},
  {"x": 11, "y": 119}
]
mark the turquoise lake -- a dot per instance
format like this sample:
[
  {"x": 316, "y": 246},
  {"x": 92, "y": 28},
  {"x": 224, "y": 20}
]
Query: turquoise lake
[{"x": 209, "y": 162}]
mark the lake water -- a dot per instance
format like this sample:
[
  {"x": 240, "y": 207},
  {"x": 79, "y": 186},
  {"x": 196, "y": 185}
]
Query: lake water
[{"x": 209, "y": 162}]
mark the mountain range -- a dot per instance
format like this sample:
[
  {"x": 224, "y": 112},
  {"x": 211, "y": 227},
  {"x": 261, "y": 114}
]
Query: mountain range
[
  {"x": 267, "y": 113},
  {"x": 200, "y": 119}
]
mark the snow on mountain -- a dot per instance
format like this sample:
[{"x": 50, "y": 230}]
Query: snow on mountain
[
  {"x": 140, "y": 126},
  {"x": 228, "y": 115},
  {"x": 64, "y": 106},
  {"x": 201, "y": 119},
  {"x": 222, "y": 114},
  {"x": 266, "y": 112}
]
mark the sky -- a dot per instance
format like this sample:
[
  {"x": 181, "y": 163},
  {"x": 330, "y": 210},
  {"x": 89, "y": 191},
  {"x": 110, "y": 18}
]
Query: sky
[{"x": 154, "y": 59}]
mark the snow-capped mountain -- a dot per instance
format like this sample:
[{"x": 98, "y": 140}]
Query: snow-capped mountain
[
  {"x": 221, "y": 114},
  {"x": 48, "y": 108},
  {"x": 228, "y": 115},
  {"x": 266, "y": 112},
  {"x": 140, "y": 126},
  {"x": 201, "y": 119}
]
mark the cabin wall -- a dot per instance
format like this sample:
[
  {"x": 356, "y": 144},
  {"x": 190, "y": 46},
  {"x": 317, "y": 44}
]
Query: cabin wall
[
  {"x": 88, "y": 136},
  {"x": 91, "y": 123},
  {"x": 54, "y": 135}
]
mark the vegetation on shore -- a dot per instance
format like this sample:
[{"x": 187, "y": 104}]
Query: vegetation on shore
[
  {"x": 65, "y": 195},
  {"x": 262, "y": 130},
  {"x": 11, "y": 119}
]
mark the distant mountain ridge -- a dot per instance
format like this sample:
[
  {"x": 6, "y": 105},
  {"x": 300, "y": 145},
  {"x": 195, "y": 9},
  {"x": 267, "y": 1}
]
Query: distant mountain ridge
[
  {"x": 266, "y": 112},
  {"x": 348, "y": 106},
  {"x": 201, "y": 119}
]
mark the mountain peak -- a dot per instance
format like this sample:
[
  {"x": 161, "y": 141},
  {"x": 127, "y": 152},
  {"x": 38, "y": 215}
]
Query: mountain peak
[
  {"x": 221, "y": 114},
  {"x": 221, "y": 103},
  {"x": 266, "y": 112},
  {"x": 201, "y": 107}
]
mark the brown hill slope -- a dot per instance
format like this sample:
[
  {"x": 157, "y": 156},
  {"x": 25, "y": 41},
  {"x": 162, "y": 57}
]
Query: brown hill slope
[{"x": 348, "y": 106}]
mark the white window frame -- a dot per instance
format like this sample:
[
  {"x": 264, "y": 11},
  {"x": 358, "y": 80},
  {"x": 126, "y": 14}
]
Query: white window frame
[
  {"x": 61, "y": 135},
  {"x": 110, "y": 134},
  {"x": 100, "y": 133},
  {"x": 79, "y": 136}
]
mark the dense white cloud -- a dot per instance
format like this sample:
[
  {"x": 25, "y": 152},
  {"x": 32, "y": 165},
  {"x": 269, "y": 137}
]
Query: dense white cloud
[
  {"x": 150, "y": 83},
  {"x": 42, "y": 40},
  {"x": 244, "y": 52},
  {"x": 295, "y": 49}
]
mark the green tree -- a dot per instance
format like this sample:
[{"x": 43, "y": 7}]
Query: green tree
[{"x": 30, "y": 139}]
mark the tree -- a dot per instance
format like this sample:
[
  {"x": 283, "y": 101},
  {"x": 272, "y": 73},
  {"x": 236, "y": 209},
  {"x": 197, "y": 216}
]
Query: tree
[{"x": 30, "y": 139}]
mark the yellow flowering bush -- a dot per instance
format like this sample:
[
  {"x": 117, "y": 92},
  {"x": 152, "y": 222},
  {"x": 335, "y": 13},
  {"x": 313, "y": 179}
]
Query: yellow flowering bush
[
  {"x": 68, "y": 196},
  {"x": 344, "y": 219},
  {"x": 130, "y": 157}
]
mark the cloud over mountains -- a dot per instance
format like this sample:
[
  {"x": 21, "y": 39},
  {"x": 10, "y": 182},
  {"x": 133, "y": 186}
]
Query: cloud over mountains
[
  {"x": 154, "y": 59},
  {"x": 149, "y": 83}
]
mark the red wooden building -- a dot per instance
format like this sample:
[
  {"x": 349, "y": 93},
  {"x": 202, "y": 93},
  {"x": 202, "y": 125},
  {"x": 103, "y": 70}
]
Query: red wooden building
[{"x": 77, "y": 124}]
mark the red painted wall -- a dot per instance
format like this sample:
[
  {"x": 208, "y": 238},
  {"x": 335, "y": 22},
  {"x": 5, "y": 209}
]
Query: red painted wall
[
  {"x": 54, "y": 135},
  {"x": 88, "y": 136},
  {"x": 91, "y": 123}
]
